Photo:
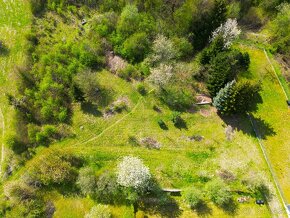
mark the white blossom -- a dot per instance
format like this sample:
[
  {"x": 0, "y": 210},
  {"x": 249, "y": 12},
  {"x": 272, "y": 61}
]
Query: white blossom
[
  {"x": 131, "y": 172},
  {"x": 229, "y": 31},
  {"x": 161, "y": 75},
  {"x": 99, "y": 211},
  {"x": 163, "y": 50}
]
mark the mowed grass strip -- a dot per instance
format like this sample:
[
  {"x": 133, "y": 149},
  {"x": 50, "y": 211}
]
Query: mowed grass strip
[{"x": 275, "y": 115}]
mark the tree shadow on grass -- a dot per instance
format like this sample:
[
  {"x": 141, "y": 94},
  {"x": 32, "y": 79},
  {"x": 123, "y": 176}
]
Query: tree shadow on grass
[
  {"x": 165, "y": 207},
  {"x": 230, "y": 208},
  {"x": 181, "y": 124},
  {"x": 4, "y": 50},
  {"x": 90, "y": 108},
  {"x": 203, "y": 210},
  {"x": 242, "y": 122},
  {"x": 105, "y": 97}
]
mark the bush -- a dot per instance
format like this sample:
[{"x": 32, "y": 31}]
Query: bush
[
  {"x": 99, "y": 211},
  {"x": 176, "y": 118},
  {"x": 177, "y": 98},
  {"x": 12, "y": 142},
  {"x": 18, "y": 192},
  {"x": 129, "y": 72},
  {"x": 141, "y": 89},
  {"x": 136, "y": 47},
  {"x": 183, "y": 47},
  {"x": 86, "y": 181},
  {"x": 129, "y": 21},
  {"x": 86, "y": 81},
  {"x": 54, "y": 168},
  {"x": 219, "y": 193},
  {"x": 162, "y": 124},
  {"x": 193, "y": 197},
  {"x": 37, "y": 6},
  {"x": 108, "y": 191},
  {"x": 105, "y": 24}
]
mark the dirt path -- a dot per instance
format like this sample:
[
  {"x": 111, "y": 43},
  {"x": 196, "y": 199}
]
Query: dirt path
[{"x": 2, "y": 145}]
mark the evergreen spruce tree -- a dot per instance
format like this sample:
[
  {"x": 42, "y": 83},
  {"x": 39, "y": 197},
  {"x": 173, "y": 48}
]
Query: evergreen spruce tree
[{"x": 225, "y": 99}]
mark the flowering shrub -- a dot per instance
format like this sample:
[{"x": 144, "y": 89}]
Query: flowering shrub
[
  {"x": 161, "y": 75},
  {"x": 99, "y": 211},
  {"x": 229, "y": 31},
  {"x": 132, "y": 173}
]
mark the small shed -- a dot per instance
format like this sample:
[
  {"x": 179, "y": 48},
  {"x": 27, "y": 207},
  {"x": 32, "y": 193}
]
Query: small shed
[{"x": 202, "y": 99}]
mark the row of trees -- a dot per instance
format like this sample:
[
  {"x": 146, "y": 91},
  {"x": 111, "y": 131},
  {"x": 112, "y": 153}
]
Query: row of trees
[{"x": 223, "y": 65}]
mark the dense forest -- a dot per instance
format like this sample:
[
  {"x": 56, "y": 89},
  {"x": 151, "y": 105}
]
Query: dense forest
[{"x": 169, "y": 50}]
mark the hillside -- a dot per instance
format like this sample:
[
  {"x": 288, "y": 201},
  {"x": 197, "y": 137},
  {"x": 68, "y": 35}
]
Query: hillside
[{"x": 144, "y": 108}]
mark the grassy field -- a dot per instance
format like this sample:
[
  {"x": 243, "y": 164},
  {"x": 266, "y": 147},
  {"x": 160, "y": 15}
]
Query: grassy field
[
  {"x": 180, "y": 162},
  {"x": 15, "y": 22},
  {"x": 274, "y": 113}
]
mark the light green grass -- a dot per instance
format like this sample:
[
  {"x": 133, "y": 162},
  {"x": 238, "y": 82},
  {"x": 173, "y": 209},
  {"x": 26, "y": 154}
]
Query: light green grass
[
  {"x": 179, "y": 163},
  {"x": 15, "y": 22},
  {"x": 275, "y": 112}
]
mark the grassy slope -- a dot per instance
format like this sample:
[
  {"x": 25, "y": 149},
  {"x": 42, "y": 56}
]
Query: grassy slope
[
  {"x": 275, "y": 112},
  {"x": 14, "y": 23},
  {"x": 179, "y": 162}
]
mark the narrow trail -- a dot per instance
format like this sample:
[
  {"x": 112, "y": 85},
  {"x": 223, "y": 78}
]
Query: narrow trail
[
  {"x": 111, "y": 126},
  {"x": 2, "y": 145}
]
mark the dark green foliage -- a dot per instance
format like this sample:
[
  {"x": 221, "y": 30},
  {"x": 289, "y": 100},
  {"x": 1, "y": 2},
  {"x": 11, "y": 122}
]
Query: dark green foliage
[
  {"x": 42, "y": 135},
  {"x": 236, "y": 97},
  {"x": 12, "y": 142},
  {"x": 105, "y": 24},
  {"x": 224, "y": 68},
  {"x": 162, "y": 124},
  {"x": 141, "y": 89},
  {"x": 224, "y": 99},
  {"x": 129, "y": 72},
  {"x": 215, "y": 47},
  {"x": 135, "y": 47},
  {"x": 183, "y": 47},
  {"x": 37, "y": 6},
  {"x": 206, "y": 23}
]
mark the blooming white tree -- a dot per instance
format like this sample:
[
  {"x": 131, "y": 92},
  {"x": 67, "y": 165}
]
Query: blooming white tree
[
  {"x": 229, "y": 31},
  {"x": 161, "y": 75},
  {"x": 132, "y": 173},
  {"x": 163, "y": 50},
  {"x": 99, "y": 211}
]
